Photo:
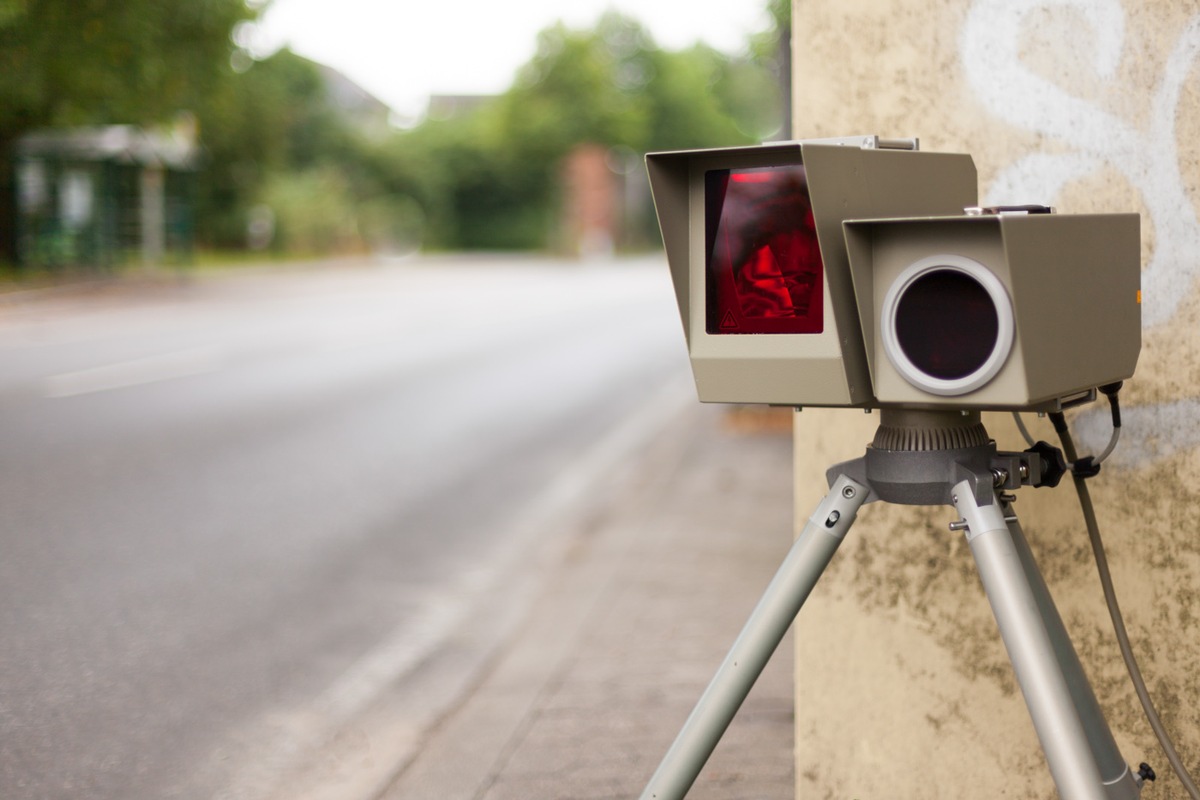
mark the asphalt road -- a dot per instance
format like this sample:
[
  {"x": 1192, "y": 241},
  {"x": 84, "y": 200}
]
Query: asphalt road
[{"x": 231, "y": 504}]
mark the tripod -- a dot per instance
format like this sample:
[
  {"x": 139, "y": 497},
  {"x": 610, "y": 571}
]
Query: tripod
[{"x": 930, "y": 458}]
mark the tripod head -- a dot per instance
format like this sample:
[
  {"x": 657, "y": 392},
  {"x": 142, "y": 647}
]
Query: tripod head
[{"x": 917, "y": 455}]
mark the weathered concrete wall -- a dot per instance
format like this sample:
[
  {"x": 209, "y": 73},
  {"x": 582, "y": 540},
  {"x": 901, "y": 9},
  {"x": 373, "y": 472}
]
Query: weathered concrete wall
[{"x": 903, "y": 687}]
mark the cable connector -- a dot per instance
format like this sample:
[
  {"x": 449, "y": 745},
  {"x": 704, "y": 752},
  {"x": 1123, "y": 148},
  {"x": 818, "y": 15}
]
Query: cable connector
[
  {"x": 1089, "y": 466},
  {"x": 1110, "y": 391},
  {"x": 1086, "y": 467}
]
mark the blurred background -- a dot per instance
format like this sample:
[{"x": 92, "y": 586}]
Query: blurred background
[
  {"x": 317, "y": 320},
  {"x": 193, "y": 131}
]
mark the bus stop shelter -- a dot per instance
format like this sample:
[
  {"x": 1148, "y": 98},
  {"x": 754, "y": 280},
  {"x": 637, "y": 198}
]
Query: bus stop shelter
[{"x": 104, "y": 196}]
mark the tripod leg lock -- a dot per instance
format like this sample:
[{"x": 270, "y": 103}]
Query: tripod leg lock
[
  {"x": 977, "y": 518},
  {"x": 835, "y": 513}
]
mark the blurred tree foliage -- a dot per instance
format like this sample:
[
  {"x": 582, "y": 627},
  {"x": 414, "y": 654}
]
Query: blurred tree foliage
[
  {"x": 76, "y": 62},
  {"x": 266, "y": 127},
  {"x": 483, "y": 178},
  {"x": 772, "y": 50},
  {"x": 496, "y": 170}
]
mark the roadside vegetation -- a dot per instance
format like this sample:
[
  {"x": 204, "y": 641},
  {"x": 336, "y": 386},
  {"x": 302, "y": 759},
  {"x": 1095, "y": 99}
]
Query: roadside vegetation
[{"x": 284, "y": 171}]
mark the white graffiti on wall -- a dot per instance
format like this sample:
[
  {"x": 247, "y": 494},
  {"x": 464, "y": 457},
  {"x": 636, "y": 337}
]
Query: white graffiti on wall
[
  {"x": 1088, "y": 139},
  {"x": 1146, "y": 155}
]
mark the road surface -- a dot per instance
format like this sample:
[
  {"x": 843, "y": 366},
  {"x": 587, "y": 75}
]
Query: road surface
[{"x": 234, "y": 510}]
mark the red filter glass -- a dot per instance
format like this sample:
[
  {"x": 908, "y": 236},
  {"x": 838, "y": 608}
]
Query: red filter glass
[{"x": 764, "y": 269}]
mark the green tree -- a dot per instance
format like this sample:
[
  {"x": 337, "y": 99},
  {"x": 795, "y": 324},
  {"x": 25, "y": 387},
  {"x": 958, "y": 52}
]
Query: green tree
[
  {"x": 610, "y": 85},
  {"x": 695, "y": 102},
  {"x": 271, "y": 117},
  {"x": 772, "y": 50},
  {"x": 474, "y": 190},
  {"x": 72, "y": 62},
  {"x": 581, "y": 86}
]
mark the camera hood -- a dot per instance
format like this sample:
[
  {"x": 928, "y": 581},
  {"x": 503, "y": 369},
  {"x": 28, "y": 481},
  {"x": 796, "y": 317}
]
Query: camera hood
[{"x": 757, "y": 254}]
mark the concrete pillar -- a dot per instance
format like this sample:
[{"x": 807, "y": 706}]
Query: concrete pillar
[{"x": 903, "y": 687}]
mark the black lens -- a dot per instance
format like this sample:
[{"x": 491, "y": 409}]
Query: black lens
[{"x": 946, "y": 324}]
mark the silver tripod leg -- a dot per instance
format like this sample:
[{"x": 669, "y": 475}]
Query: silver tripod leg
[
  {"x": 1118, "y": 779},
  {"x": 760, "y": 637},
  {"x": 1079, "y": 747}
]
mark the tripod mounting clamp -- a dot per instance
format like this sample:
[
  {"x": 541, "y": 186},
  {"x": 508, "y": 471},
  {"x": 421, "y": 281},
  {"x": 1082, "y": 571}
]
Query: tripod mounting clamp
[{"x": 916, "y": 456}]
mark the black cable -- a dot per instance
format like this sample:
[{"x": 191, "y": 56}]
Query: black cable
[
  {"x": 1114, "y": 610},
  {"x": 1111, "y": 391}
]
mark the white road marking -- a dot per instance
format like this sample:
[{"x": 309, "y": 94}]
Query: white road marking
[{"x": 152, "y": 369}]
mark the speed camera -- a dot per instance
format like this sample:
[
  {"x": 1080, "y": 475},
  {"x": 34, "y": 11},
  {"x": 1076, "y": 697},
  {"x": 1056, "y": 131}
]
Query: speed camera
[{"x": 846, "y": 272}]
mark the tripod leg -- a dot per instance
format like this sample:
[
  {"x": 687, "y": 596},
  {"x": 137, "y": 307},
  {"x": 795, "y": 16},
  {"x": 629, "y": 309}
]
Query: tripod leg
[
  {"x": 1060, "y": 703},
  {"x": 760, "y": 636},
  {"x": 1115, "y": 773}
]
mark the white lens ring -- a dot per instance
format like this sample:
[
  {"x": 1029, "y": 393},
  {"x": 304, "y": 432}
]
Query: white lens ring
[{"x": 948, "y": 387}]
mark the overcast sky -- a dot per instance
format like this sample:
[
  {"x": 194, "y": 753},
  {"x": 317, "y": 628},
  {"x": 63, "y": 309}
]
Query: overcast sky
[{"x": 404, "y": 50}]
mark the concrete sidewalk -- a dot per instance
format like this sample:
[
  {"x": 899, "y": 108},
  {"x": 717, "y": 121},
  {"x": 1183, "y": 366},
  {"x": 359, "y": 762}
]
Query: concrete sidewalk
[{"x": 662, "y": 567}]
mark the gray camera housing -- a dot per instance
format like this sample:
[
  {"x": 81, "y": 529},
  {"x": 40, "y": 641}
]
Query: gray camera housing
[
  {"x": 853, "y": 178},
  {"x": 1065, "y": 289}
]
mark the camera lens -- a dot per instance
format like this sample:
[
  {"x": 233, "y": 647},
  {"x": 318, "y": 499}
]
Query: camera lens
[{"x": 946, "y": 324}]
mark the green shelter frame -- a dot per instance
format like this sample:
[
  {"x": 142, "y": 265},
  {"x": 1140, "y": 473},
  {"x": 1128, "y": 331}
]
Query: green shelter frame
[{"x": 104, "y": 196}]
